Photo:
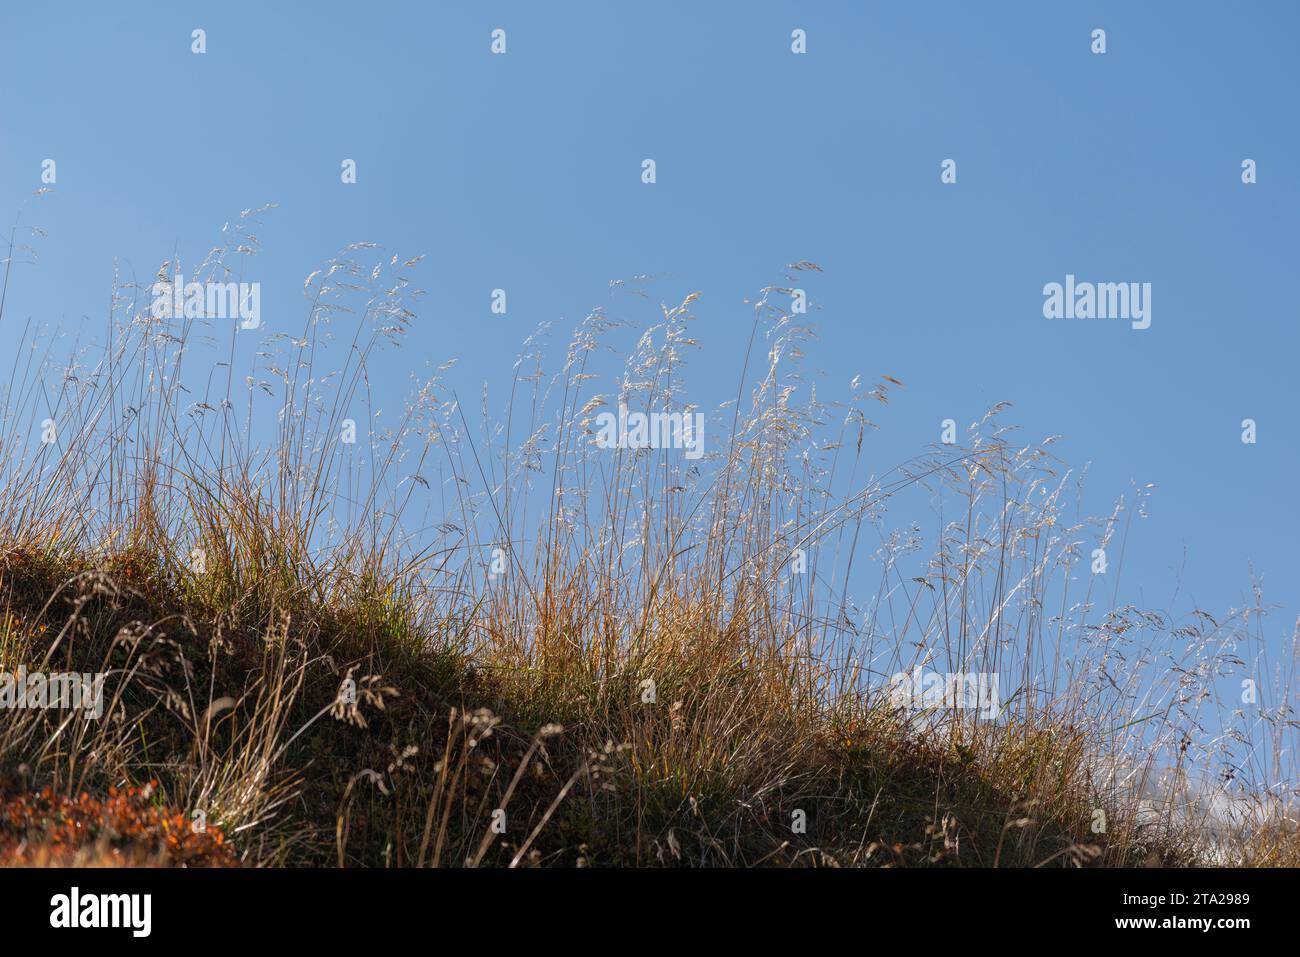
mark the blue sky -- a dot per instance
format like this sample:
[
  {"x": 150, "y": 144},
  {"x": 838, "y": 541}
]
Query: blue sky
[{"x": 523, "y": 172}]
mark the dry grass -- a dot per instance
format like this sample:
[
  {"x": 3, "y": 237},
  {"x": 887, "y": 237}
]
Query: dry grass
[{"x": 306, "y": 640}]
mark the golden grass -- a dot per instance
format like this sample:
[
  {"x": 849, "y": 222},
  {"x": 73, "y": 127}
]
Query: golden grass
[{"x": 308, "y": 644}]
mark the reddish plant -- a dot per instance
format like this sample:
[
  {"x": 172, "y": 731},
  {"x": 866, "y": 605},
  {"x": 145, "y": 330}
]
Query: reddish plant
[{"x": 124, "y": 829}]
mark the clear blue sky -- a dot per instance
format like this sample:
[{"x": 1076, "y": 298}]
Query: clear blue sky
[{"x": 523, "y": 172}]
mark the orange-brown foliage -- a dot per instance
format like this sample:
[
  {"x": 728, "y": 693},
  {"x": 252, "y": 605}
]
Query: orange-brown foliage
[{"x": 124, "y": 829}]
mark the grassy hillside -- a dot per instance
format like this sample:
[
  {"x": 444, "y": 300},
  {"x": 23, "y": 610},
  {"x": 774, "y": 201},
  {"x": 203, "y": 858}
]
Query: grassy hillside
[{"x": 498, "y": 644}]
